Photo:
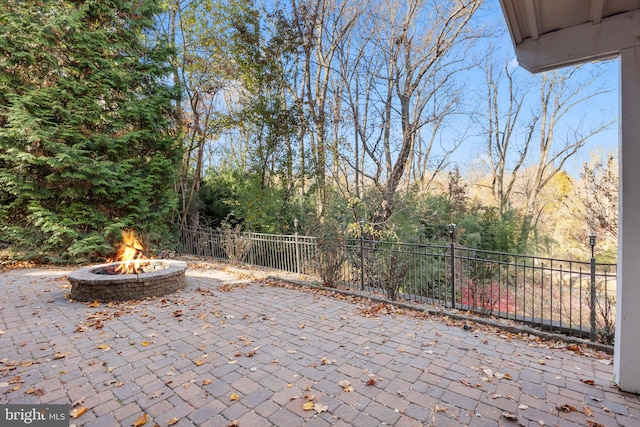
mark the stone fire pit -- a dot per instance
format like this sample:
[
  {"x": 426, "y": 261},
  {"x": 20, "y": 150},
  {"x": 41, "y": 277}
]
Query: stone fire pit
[{"x": 101, "y": 283}]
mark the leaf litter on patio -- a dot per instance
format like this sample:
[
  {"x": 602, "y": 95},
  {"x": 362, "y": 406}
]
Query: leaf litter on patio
[
  {"x": 363, "y": 306},
  {"x": 366, "y": 307},
  {"x": 374, "y": 308},
  {"x": 371, "y": 308}
]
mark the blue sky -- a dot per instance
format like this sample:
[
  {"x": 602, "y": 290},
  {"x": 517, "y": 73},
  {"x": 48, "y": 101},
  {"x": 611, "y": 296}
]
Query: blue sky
[
  {"x": 603, "y": 108},
  {"x": 461, "y": 125}
]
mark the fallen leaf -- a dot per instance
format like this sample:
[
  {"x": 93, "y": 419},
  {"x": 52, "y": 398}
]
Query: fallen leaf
[
  {"x": 507, "y": 377},
  {"x": 156, "y": 394},
  {"x": 372, "y": 381},
  {"x": 35, "y": 391},
  {"x": 346, "y": 386},
  {"x": 523, "y": 406},
  {"x": 587, "y": 411},
  {"x": 567, "y": 408},
  {"x": 252, "y": 352},
  {"x": 172, "y": 421},
  {"x": 439, "y": 408},
  {"x": 510, "y": 416},
  {"x": 198, "y": 362},
  {"x": 308, "y": 406},
  {"x": 234, "y": 396},
  {"x": 325, "y": 361},
  {"x": 146, "y": 343},
  {"x": 594, "y": 424},
  {"x": 206, "y": 382},
  {"x": 319, "y": 407},
  {"x": 588, "y": 382},
  {"x": 575, "y": 348},
  {"x": 75, "y": 413},
  {"x": 234, "y": 423},
  {"x": 142, "y": 420},
  {"x": 94, "y": 304}
]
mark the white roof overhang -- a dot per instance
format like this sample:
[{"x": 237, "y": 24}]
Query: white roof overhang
[{"x": 549, "y": 34}]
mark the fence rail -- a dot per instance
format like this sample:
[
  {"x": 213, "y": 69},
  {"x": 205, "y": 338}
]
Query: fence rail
[{"x": 572, "y": 297}]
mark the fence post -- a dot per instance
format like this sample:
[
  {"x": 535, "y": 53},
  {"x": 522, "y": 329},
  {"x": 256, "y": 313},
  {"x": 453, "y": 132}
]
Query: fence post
[
  {"x": 251, "y": 256},
  {"x": 452, "y": 230},
  {"x": 361, "y": 255},
  {"x": 592, "y": 303},
  {"x": 295, "y": 224}
]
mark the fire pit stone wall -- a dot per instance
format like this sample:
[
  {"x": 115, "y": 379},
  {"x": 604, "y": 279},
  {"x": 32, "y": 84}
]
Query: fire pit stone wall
[{"x": 91, "y": 284}]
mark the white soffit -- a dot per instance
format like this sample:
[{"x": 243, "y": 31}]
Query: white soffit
[{"x": 549, "y": 34}]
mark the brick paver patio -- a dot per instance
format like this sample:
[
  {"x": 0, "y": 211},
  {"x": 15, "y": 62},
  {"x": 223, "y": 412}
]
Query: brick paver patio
[{"x": 228, "y": 351}]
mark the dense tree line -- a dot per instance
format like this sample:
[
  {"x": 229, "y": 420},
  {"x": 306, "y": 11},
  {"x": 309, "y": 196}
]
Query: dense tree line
[
  {"x": 87, "y": 146},
  {"x": 339, "y": 113},
  {"x": 346, "y": 115}
]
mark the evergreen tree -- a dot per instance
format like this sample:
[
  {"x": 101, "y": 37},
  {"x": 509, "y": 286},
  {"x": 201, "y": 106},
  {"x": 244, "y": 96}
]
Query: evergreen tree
[{"x": 86, "y": 144}]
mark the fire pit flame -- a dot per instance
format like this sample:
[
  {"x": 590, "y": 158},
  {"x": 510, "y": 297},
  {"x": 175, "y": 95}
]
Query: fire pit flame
[
  {"x": 130, "y": 252},
  {"x": 132, "y": 276}
]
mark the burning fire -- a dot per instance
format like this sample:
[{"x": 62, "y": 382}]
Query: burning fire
[{"x": 130, "y": 252}]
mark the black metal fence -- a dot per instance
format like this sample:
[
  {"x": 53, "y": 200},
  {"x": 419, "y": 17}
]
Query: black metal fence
[{"x": 572, "y": 297}]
